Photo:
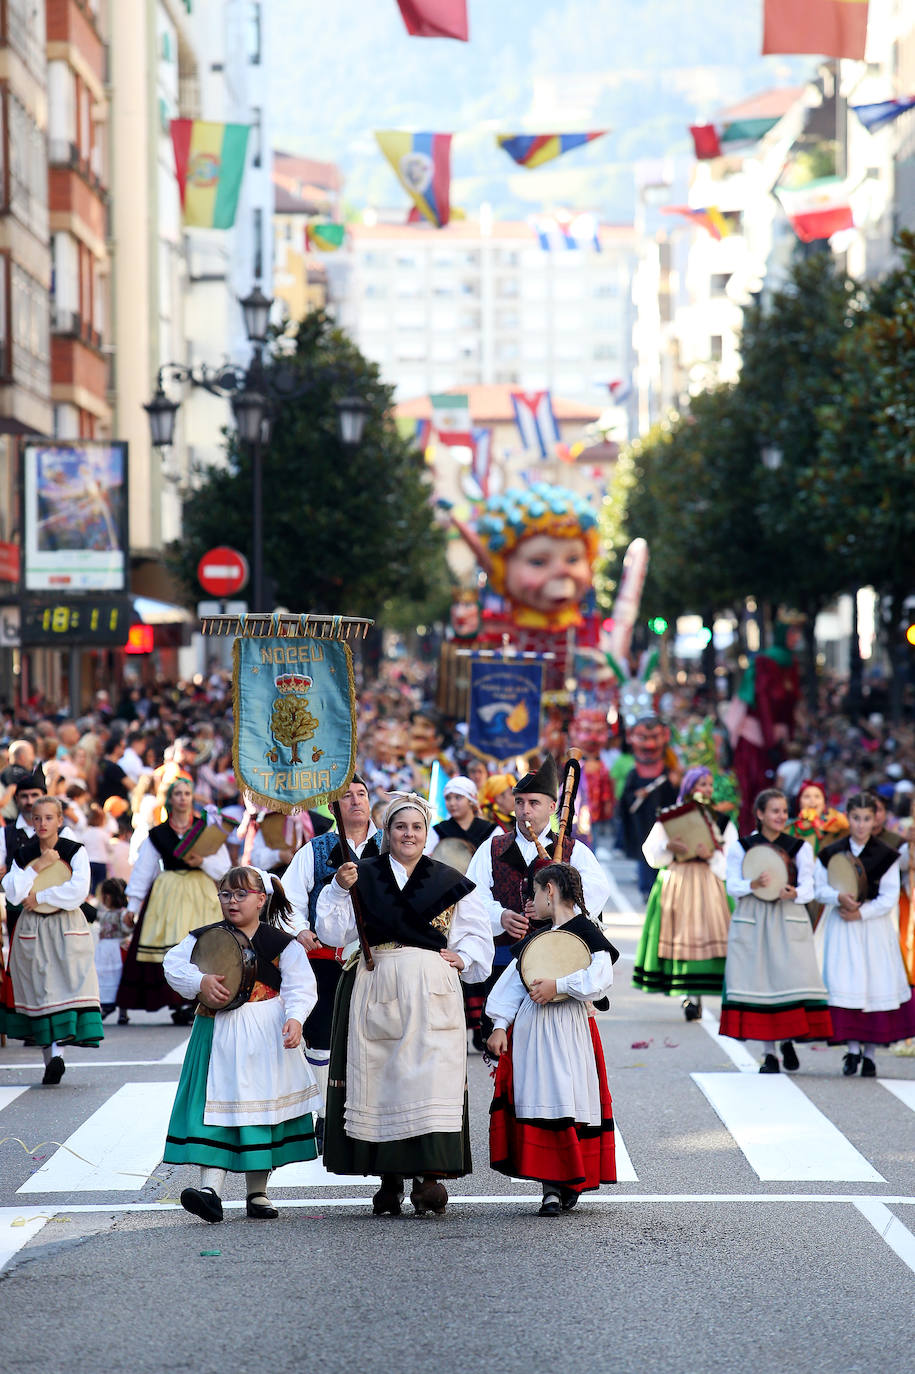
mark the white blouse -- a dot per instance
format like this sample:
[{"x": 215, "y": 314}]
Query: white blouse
[
  {"x": 585, "y": 985},
  {"x": 18, "y": 882},
  {"x": 299, "y": 990}
]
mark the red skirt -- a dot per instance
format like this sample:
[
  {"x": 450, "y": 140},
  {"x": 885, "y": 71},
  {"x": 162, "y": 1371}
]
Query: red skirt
[
  {"x": 781, "y": 1023},
  {"x": 564, "y": 1151}
]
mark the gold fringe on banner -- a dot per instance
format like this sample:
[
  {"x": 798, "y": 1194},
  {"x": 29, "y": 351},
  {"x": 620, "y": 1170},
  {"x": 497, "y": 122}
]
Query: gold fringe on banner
[{"x": 283, "y": 625}]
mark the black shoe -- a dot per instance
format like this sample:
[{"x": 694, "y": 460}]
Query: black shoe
[
  {"x": 868, "y": 1068},
  {"x": 769, "y": 1065},
  {"x": 692, "y": 1008},
  {"x": 54, "y": 1071},
  {"x": 476, "y": 1039},
  {"x": 789, "y": 1056},
  {"x": 429, "y": 1195},
  {"x": 569, "y": 1198},
  {"x": 123, "y": 1018},
  {"x": 203, "y": 1203},
  {"x": 850, "y": 1064},
  {"x": 260, "y": 1211},
  {"x": 319, "y": 1135},
  {"x": 389, "y": 1196},
  {"x": 550, "y": 1206}
]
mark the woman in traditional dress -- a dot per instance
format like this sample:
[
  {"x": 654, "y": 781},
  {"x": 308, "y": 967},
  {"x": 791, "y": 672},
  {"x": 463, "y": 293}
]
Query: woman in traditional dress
[
  {"x": 246, "y": 1094},
  {"x": 870, "y": 1000},
  {"x": 397, "y": 1094},
  {"x": 684, "y": 937},
  {"x": 465, "y": 825},
  {"x": 773, "y": 990},
  {"x": 816, "y": 822},
  {"x": 172, "y": 895},
  {"x": 51, "y": 972},
  {"x": 551, "y": 1118}
]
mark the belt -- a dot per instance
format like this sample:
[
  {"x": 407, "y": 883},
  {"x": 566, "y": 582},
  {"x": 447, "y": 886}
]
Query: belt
[
  {"x": 390, "y": 944},
  {"x": 327, "y": 952}
]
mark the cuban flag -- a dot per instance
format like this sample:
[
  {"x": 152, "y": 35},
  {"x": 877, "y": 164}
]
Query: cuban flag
[
  {"x": 536, "y": 421},
  {"x": 620, "y": 390},
  {"x": 579, "y": 231}
]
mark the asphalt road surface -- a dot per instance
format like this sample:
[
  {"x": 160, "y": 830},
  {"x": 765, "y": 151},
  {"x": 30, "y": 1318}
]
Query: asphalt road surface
[{"x": 761, "y": 1223}]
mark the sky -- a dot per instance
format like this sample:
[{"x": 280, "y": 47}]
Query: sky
[{"x": 643, "y": 68}]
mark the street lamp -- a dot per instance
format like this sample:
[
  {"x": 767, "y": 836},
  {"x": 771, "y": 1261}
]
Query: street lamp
[{"x": 254, "y": 393}]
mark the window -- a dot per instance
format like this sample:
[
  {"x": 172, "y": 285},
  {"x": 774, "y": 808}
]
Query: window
[
  {"x": 256, "y": 135},
  {"x": 255, "y": 35},
  {"x": 715, "y": 348}
]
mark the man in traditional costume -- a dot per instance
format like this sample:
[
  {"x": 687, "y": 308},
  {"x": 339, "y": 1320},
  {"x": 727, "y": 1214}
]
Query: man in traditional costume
[
  {"x": 503, "y": 867},
  {"x": 397, "y": 1090},
  {"x": 312, "y": 868}
]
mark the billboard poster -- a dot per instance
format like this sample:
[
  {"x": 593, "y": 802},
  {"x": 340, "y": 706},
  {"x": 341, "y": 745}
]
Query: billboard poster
[{"x": 74, "y": 515}]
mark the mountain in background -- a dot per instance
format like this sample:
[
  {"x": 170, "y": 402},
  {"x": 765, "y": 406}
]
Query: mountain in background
[{"x": 646, "y": 69}]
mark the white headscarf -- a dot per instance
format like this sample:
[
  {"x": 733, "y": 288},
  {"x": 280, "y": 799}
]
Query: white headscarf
[
  {"x": 267, "y": 879},
  {"x": 465, "y": 787},
  {"x": 402, "y": 801}
]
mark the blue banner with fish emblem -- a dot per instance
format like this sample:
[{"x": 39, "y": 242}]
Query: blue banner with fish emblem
[
  {"x": 295, "y": 720},
  {"x": 504, "y": 710}
]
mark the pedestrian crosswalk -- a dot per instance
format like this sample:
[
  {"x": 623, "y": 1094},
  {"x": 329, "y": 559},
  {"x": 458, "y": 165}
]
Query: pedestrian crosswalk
[{"x": 772, "y": 1122}]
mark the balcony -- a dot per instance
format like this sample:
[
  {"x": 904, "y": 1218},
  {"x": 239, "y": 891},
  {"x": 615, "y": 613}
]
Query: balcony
[
  {"x": 63, "y": 153},
  {"x": 69, "y": 324}
]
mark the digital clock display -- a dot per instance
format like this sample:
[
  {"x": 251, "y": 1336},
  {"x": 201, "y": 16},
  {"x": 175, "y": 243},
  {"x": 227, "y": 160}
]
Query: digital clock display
[{"x": 78, "y": 620}]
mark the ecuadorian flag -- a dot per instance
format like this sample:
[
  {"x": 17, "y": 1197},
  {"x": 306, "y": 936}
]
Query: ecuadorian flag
[
  {"x": 532, "y": 150},
  {"x": 422, "y": 165},
  {"x": 209, "y": 164}
]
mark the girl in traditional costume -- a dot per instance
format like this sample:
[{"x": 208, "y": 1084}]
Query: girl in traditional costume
[
  {"x": 173, "y": 891},
  {"x": 246, "y": 1094},
  {"x": 397, "y": 1096},
  {"x": 870, "y": 1000},
  {"x": 551, "y": 1118},
  {"x": 52, "y": 986},
  {"x": 773, "y": 990},
  {"x": 684, "y": 937},
  {"x": 817, "y": 822}
]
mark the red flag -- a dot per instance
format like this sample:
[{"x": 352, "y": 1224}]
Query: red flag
[
  {"x": 435, "y": 18},
  {"x": 835, "y": 28},
  {"x": 706, "y": 141}
]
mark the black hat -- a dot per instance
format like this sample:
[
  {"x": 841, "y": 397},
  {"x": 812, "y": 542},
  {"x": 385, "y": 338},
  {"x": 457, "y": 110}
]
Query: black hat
[
  {"x": 545, "y": 780},
  {"x": 31, "y": 782},
  {"x": 357, "y": 777}
]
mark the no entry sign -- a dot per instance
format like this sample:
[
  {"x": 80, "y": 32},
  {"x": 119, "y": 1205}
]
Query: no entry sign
[{"x": 222, "y": 571}]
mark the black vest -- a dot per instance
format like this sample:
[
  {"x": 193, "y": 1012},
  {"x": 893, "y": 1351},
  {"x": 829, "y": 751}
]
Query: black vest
[
  {"x": 268, "y": 944},
  {"x": 406, "y": 916},
  {"x": 31, "y": 848}
]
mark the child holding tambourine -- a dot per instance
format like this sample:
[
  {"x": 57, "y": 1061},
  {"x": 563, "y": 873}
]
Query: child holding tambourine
[{"x": 551, "y": 1118}]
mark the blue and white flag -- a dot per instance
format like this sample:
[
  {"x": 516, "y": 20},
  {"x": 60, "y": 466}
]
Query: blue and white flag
[
  {"x": 295, "y": 720},
  {"x": 581, "y": 231},
  {"x": 536, "y": 421},
  {"x": 504, "y": 710}
]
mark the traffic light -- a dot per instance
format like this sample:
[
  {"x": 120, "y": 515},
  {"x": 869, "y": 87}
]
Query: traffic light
[
  {"x": 705, "y": 636},
  {"x": 657, "y": 625},
  {"x": 910, "y": 634}
]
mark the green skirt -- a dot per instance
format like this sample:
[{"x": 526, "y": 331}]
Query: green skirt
[
  {"x": 72, "y": 1027},
  {"x": 445, "y": 1154},
  {"x": 236, "y": 1148},
  {"x": 673, "y": 977}
]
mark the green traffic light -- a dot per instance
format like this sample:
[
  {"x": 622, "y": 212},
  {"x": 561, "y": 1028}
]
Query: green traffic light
[{"x": 657, "y": 625}]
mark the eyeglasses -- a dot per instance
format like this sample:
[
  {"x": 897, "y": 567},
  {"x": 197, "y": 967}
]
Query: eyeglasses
[{"x": 237, "y": 894}]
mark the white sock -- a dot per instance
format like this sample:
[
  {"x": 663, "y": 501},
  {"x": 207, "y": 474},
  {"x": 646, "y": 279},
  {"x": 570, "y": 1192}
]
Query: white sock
[
  {"x": 47, "y": 1054},
  {"x": 768, "y": 1046},
  {"x": 854, "y": 1046},
  {"x": 256, "y": 1182},
  {"x": 213, "y": 1178},
  {"x": 868, "y": 1051}
]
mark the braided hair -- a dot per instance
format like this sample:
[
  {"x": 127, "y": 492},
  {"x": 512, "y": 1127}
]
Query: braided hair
[{"x": 567, "y": 881}]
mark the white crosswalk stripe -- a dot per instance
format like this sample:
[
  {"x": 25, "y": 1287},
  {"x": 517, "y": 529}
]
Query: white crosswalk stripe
[
  {"x": 783, "y": 1136},
  {"x": 903, "y": 1088},
  {"x": 115, "y": 1149},
  {"x": 9, "y": 1095}
]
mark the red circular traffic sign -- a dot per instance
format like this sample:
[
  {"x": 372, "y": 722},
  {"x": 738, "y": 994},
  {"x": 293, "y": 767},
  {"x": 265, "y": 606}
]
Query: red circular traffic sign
[{"x": 222, "y": 571}]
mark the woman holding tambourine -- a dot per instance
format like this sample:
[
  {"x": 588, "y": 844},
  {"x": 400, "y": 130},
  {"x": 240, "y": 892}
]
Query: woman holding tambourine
[
  {"x": 870, "y": 1000},
  {"x": 52, "y": 952},
  {"x": 246, "y": 1096},
  {"x": 773, "y": 990},
  {"x": 684, "y": 936},
  {"x": 552, "y": 1118}
]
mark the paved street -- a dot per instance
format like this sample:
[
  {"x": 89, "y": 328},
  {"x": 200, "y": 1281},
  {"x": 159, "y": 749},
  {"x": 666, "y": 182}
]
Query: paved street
[{"x": 766, "y": 1222}]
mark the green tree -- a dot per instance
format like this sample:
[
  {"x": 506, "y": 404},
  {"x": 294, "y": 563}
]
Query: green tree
[{"x": 345, "y": 531}]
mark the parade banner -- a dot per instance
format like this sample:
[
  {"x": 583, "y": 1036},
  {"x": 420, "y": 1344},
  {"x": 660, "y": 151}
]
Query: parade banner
[
  {"x": 295, "y": 720},
  {"x": 504, "y": 708}
]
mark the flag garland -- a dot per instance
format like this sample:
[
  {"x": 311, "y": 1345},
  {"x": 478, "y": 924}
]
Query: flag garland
[
  {"x": 707, "y": 217},
  {"x": 435, "y": 18},
  {"x": 422, "y": 165},
  {"x": 833, "y": 28},
  {"x": 533, "y": 150},
  {"x": 324, "y": 237},
  {"x": 451, "y": 419},
  {"x": 209, "y": 166},
  {"x": 883, "y": 112},
  {"x": 817, "y": 210},
  {"x": 577, "y": 231},
  {"x": 536, "y": 421},
  {"x": 710, "y": 140}
]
